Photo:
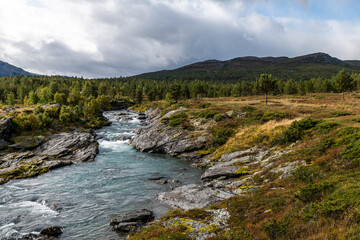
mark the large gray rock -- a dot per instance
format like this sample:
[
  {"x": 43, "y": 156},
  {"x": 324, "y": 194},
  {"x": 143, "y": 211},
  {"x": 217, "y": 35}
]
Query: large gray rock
[
  {"x": 193, "y": 196},
  {"x": 76, "y": 146},
  {"x": 5, "y": 128},
  {"x": 216, "y": 172},
  {"x": 131, "y": 220},
  {"x": 161, "y": 138},
  {"x": 58, "y": 106},
  {"x": 56, "y": 151}
]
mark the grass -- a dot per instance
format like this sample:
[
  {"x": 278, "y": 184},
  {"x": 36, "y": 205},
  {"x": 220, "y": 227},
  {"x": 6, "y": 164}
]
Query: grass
[{"x": 322, "y": 198}]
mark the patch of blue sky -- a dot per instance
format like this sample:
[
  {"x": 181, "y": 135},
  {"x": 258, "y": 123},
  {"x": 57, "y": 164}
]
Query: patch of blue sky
[{"x": 310, "y": 10}]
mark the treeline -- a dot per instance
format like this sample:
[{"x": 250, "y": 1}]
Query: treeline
[{"x": 29, "y": 90}]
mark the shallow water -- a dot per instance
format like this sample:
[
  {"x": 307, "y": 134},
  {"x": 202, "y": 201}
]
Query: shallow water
[{"x": 82, "y": 197}]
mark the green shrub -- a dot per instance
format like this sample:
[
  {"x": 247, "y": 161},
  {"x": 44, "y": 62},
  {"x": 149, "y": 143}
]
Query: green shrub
[
  {"x": 305, "y": 174},
  {"x": 176, "y": 119},
  {"x": 205, "y": 105},
  {"x": 221, "y": 135},
  {"x": 207, "y": 114},
  {"x": 326, "y": 127},
  {"x": 297, "y": 129},
  {"x": 272, "y": 115},
  {"x": 314, "y": 192},
  {"x": 275, "y": 229},
  {"x": 218, "y": 117},
  {"x": 324, "y": 145},
  {"x": 34, "y": 122},
  {"x": 195, "y": 214},
  {"x": 65, "y": 115},
  {"x": 331, "y": 208},
  {"x": 352, "y": 152},
  {"x": 53, "y": 112},
  {"x": 340, "y": 114},
  {"x": 356, "y": 120}
]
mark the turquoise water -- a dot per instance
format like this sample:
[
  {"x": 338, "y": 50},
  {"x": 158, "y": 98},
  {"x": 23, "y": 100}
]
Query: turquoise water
[{"x": 82, "y": 197}]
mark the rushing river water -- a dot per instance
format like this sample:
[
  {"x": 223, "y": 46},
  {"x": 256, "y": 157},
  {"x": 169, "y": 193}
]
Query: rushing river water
[{"x": 82, "y": 197}]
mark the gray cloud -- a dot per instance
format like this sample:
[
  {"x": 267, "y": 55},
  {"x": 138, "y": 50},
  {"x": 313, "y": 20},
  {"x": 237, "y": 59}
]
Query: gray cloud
[{"x": 126, "y": 37}]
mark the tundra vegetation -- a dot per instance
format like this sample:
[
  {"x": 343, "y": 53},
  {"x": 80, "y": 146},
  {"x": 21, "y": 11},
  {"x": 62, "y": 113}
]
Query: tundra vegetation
[
  {"x": 314, "y": 121},
  {"x": 320, "y": 200}
]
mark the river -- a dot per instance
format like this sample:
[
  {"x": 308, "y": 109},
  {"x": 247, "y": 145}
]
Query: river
[{"x": 82, "y": 197}]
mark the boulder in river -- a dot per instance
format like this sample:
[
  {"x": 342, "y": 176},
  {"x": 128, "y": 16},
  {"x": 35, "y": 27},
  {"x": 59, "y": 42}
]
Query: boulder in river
[
  {"x": 47, "y": 233},
  {"x": 51, "y": 231},
  {"x": 131, "y": 220}
]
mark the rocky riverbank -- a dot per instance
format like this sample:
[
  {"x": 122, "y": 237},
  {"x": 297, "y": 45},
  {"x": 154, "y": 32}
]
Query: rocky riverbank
[
  {"x": 232, "y": 174},
  {"x": 29, "y": 156}
]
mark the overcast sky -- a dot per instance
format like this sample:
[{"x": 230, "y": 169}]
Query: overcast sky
[{"x": 106, "y": 38}]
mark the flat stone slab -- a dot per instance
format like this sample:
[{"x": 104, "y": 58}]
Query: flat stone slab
[
  {"x": 216, "y": 172},
  {"x": 193, "y": 196}
]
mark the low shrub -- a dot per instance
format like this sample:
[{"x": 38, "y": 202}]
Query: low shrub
[
  {"x": 305, "y": 174},
  {"x": 221, "y": 135},
  {"x": 352, "y": 152},
  {"x": 275, "y": 229},
  {"x": 176, "y": 119},
  {"x": 205, "y": 105},
  {"x": 314, "y": 192},
  {"x": 218, "y": 117},
  {"x": 297, "y": 129},
  {"x": 207, "y": 114},
  {"x": 340, "y": 114},
  {"x": 272, "y": 115},
  {"x": 326, "y": 127},
  {"x": 356, "y": 120}
]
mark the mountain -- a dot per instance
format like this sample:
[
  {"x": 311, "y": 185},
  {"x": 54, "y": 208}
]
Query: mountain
[
  {"x": 249, "y": 68},
  {"x": 7, "y": 69}
]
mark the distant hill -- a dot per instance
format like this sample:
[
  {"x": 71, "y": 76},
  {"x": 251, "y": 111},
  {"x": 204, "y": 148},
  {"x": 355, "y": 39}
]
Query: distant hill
[
  {"x": 7, "y": 69},
  {"x": 249, "y": 68}
]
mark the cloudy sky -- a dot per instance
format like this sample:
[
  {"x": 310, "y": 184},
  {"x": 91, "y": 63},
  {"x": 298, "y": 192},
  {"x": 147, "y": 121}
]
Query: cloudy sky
[{"x": 106, "y": 38}]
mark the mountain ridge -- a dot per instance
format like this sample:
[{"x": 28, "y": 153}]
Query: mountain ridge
[
  {"x": 7, "y": 69},
  {"x": 250, "y": 67}
]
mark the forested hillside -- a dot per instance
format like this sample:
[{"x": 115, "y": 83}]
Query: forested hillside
[
  {"x": 249, "y": 68},
  {"x": 10, "y": 70}
]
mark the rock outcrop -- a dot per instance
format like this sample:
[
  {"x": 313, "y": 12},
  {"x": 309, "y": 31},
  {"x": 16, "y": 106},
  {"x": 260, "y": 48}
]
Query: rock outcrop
[
  {"x": 158, "y": 137},
  {"x": 193, "y": 196},
  {"x": 55, "y": 151},
  {"x": 216, "y": 172},
  {"x": 5, "y": 128},
  {"x": 131, "y": 220},
  {"x": 47, "y": 233}
]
